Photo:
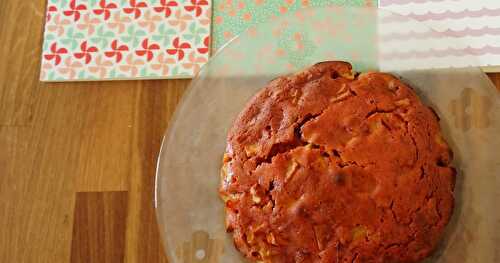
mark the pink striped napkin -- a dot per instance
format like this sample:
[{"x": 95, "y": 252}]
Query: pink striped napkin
[{"x": 468, "y": 31}]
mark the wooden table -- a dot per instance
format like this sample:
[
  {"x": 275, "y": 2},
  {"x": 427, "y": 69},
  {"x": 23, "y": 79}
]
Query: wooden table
[{"x": 77, "y": 160}]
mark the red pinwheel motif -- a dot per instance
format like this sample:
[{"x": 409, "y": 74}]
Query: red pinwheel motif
[
  {"x": 105, "y": 9},
  {"x": 147, "y": 49},
  {"x": 74, "y": 10},
  {"x": 117, "y": 50},
  {"x": 51, "y": 9},
  {"x": 206, "y": 43},
  {"x": 165, "y": 6},
  {"x": 196, "y": 5},
  {"x": 135, "y": 8},
  {"x": 178, "y": 48},
  {"x": 55, "y": 53},
  {"x": 86, "y": 52}
]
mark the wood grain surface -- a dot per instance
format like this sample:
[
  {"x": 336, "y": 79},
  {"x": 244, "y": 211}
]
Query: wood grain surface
[
  {"x": 77, "y": 160},
  {"x": 99, "y": 227}
]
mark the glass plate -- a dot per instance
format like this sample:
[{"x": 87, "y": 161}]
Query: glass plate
[{"x": 190, "y": 213}]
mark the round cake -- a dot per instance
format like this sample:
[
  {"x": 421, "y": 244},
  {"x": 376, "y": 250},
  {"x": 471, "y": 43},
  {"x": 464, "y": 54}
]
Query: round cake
[{"x": 327, "y": 165}]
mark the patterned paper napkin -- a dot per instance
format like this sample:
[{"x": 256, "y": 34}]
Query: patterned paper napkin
[
  {"x": 231, "y": 17},
  {"x": 469, "y": 32},
  {"x": 125, "y": 39}
]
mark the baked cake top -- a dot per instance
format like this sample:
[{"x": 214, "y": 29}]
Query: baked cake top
[{"x": 330, "y": 166}]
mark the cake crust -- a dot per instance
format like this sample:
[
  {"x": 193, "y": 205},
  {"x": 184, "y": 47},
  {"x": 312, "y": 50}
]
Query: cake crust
[{"x": 330, "y": 166}]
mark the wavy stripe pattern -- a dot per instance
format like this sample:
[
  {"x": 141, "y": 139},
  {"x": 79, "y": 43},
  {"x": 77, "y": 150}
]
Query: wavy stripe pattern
[
  {"x": 384, "y": 3},
  {"x": 439, "y": 53},
  {"x": 443, "y": 15},
  {"x": 447, "y": 33}
]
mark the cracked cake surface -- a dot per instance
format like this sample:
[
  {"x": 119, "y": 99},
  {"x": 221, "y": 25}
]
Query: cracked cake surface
[{"x": 330, "y": 166}]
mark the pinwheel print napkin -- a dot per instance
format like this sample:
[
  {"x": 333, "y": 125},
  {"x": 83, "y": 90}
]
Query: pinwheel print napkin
[{"x": 125, "y": 39}]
